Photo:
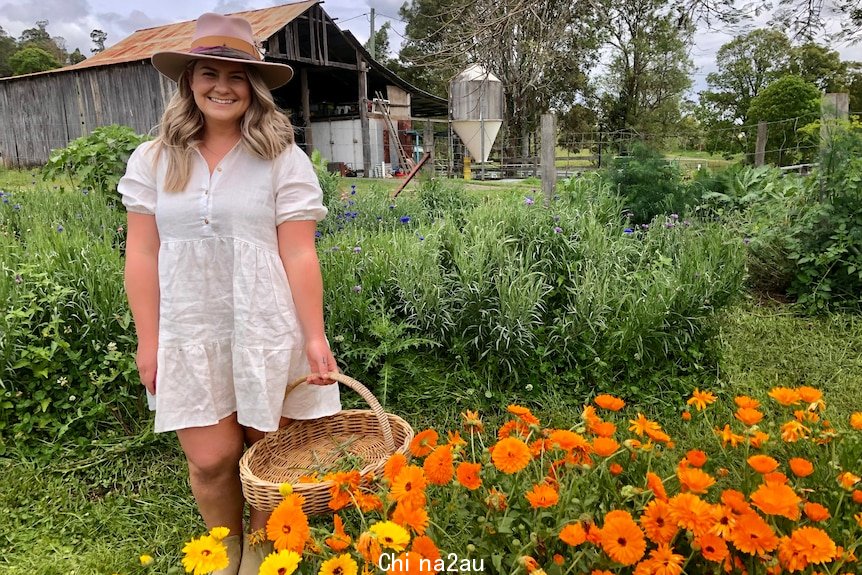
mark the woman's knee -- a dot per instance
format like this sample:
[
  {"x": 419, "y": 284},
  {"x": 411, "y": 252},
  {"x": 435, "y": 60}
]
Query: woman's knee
[
  {"x": 214, "y": 462},
  {"x": 213, "y": 451}
]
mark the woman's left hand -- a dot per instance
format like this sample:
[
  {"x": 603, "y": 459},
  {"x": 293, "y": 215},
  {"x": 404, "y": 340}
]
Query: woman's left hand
[{"x": 321, "y": 361}]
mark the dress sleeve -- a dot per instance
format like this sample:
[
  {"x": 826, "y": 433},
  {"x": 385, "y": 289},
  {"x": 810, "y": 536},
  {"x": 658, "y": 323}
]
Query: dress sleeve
[
  {"x": 138, "y": 185},
  {"x": 297, "y": 190}
]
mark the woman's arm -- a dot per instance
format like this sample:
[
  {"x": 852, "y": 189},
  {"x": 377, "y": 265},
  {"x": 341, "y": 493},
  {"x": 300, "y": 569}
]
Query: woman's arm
[
  {"x": 142, "y": 290},
  {"x": 299, "y": 257}
]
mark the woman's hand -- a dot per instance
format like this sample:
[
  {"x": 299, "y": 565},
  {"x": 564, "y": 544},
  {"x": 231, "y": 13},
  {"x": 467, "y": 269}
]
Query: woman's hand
[
  {"x": 146, "y": 359},
  {"x": 321, "y": 361}
]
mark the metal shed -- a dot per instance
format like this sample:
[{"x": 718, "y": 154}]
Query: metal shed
[{"x": 330, "y": 97}]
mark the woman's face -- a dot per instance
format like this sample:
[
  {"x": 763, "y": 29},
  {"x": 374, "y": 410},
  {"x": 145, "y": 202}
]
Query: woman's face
[{"x": 222, "y": 91}]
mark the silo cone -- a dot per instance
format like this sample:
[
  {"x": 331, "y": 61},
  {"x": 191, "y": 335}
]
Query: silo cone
[
  {"x": 476, "y": 103},
  {"x": 478, "y": 136}
]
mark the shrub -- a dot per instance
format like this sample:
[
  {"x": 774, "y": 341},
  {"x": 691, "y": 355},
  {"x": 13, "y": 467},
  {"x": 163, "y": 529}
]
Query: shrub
[{"x": 95, "y": 162}]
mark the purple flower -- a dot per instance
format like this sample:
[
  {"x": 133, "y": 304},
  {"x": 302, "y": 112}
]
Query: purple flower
[
  {"x": 558, "y": 229},
  {"x": 357, "y": 289},
  {"x": 404, "y": 219},
  {"x": 85, "y": 191},
  {"x": 352, "y": 189},
  {"x": 334, "y": 249},
  {"x": 668, "y": 225},
  {"x": 628, "y": 231},
  {"x": 59, "y": 228},
  {"x": 674, "y": 217},
  {"x": 18, "y": 278},
  {"x": 644, "y": 226},
  {"x": 391, "y": 206},
  {"x": 318, "y": 234},
  {"x": 5, "y": 200},
  {"x": 746, "y": 241},
  {"x": 357, "y": 250},
  {"x": 528, "y": 201},
  {"x": 16, "y": 207},
  {"x": 686, "y": 223}
]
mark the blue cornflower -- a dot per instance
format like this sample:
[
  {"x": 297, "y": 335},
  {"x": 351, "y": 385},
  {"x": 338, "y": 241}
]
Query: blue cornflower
[
  {"x": 391, "y": 206},
  {"x": 628, "y": 231},
  {"x": 318, "y": 234},
  {"x": 16, "y": 207},
  {"x": 18, "y": 278},
  {"x": 357, "y": 250},
  {"x": 357, "y": 289},
  {"x": 350, "y": 202},
  {"x": 59, "y": 228},
  {"x": 85, "y": 191},
  {"x": 334, "y": 248},
  {"x": 668, "y": 225},
  {"x": 528, "y": 201},
  {"x": 557, "y": 229},
  {"x": 352, "y": 189},
  {"x": 674, "y": 217},
  {"x": 746, "y": 241},
  {"x": 5, "y": 200},
  {"x": 404, "y": 219}
]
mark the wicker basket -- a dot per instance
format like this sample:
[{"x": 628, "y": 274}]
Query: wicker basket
[{"x": 304, "y": 445}]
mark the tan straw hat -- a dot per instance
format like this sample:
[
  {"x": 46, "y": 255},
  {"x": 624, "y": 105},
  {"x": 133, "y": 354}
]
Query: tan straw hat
[{"x": 226, "y": 38}]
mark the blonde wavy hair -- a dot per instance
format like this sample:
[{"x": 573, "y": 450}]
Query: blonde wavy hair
[{"x": 266, "y": 130}]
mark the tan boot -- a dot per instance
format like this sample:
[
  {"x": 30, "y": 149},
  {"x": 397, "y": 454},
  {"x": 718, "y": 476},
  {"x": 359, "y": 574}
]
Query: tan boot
[
  {"x": 253, "y": 556},
  {"x": 234, "y": 555}
]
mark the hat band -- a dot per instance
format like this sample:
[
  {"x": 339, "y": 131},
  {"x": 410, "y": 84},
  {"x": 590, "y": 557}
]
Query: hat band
[{"x": 226, "y": 41}]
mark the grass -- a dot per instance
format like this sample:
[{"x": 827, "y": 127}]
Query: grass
[{"x": 96, "y": 513}]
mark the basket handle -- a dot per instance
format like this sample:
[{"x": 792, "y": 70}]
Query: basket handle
[{"x": 382, "y": 419}]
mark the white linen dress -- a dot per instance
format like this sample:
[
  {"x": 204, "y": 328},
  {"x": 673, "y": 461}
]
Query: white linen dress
[{"x": 229, "y": 337}]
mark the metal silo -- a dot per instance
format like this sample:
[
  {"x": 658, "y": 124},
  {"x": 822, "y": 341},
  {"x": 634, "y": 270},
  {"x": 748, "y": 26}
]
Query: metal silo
[{"x": 476, "y": 105}]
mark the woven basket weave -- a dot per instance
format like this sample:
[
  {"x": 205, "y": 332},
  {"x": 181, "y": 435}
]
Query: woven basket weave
[{"x": 305, "y": 445}]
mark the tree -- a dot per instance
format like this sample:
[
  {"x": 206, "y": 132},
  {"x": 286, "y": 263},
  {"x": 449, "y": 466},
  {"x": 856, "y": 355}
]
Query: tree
[
  {"x": 98, "y": 37},
  {"x": 424, "y": 60},
  {"x": 649, "y": 69},
  {"x": 76, "y": 56},
  {"x": 820, "y": 66},
  {"x": 381, "y": 42},
  {"x": 38, "y": 37},
  {"x": 32, "y": 59},
  {"x": 7, "y": 48},
  {"x": 789, "y": 103}
]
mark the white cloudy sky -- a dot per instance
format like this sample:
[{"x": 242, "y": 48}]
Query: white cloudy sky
[{"x": 74, "y": 19}]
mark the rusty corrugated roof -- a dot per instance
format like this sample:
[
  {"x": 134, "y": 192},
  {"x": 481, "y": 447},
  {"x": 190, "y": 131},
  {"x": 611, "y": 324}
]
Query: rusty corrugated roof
[{"x": 144, "y": 43}]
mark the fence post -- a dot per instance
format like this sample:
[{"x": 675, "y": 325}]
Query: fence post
[
  {"x": 428, "y": 147},
  {"x": 760, "y": 146},
  {"x": 549, "y": 154}
]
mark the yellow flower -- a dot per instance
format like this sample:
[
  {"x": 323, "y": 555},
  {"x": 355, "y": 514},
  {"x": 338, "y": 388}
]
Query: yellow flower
[
  {"x": 391, "y": 535},
  {"x": 282, "y": 562},
  {"x": 204, "y": 555},
  {"x": 285, "y": 489},
  {"x": 146, "y": 560},
  {"x": 341, "y": 565},
  {"x": 700, "y": 399},
  {"x": 848, "y": 480},
  {"x": 219, "y": 533}
]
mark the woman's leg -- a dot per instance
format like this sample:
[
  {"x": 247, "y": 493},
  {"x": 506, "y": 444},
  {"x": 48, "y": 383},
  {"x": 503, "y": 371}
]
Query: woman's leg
[
  {"x": 257, "y": 519},
  {"x": 213, "y": 453}
]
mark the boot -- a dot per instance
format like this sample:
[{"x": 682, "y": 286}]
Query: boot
[
  {"x": 234, "y": 554},
  {"x": 253, "y": 556}
]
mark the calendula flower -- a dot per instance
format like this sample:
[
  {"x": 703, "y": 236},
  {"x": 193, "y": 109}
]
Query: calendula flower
[
  {"x": 785, "y": 396},
  {"x": 285, "y": 489},
  {"x": 423, "y": 443},
  {"x": 523, "y": 413},
  {"x": 369, "y": 548},
  {"x": 712, "y": 547},
  {"x": 438, "y": 466},
  {"x": 605, "y": 446},
  {"x": 809, "y": 395},
  {"x": 609, "y": 402},
  {"x": 807, "y": 546},
  {"x": 736, "y": 501},
  {"x": 146, "y": 560},
  {"x": 745, "y": 402},
  {"x": 776, "y": 499},
  {"x": 753, "y": 535},
  {"x": 727, "y": 436},
  {"x": 281, "y": 563},
  {"x": 602, "y": 428},
  {"x": 391, "y": 535},
  {"x": 622, "y": 539},
  {"x": 454, "y": 439},
  {"x": 857, "y": 496},
  {"x": 514, "y": 427},
  {"x": 757, "y": 438},
  {"x": 496, "y": 500},
  {"x": 686, "y": 416},
  {"x": 511, "y": 455},
  {"x": 409, "y": 485},
  {"x": 472, "y": 422},
  {"x": 663, "y": 561},
  {"x": 573, "y": 534},
  {"x": 655, "y": 484},
  {"x": 468, "y": 474},
  {"x": 219, "y": 533},
  {"x": 693, "y": 479},
  {"x": 424, "y": 546},
  {"x": 856, "y": 420},
  {"x": 725, "y": 520},
  {"x": 700, "y": 399},
  {"x": 542, "y": 496},
  {"x": 412, "y": 516},
  {"x": 367, "y": 502},
  {"x": 287, "y": 526},
  {"x": 657, "y": 522},
  {"x": 690, "y": 512},
  {"x": 815, "y": 512},
  {"x": 341, "y": 565},
  {"x": 848, "y": 480},
  {"x": 748, "y": 416},
  {"x": 762, "y": 463},
  {"x": 569, "y": 440},
  {"x": 615, "y": 469},
  {"x": 774, "y": 477},
  {"x": 695, "y": 457},
  {"x": 340, "y": 540},
  {"x": 396, "y": 462},
  {"x": 801, "y": 467},
  {"x": 204, "y": 555}
]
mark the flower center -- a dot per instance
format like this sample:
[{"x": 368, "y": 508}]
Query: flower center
[
  {"x": 205, "y": 552},
  {"x": 285, "y": 529},
  {"x": 621, "y": 541}
]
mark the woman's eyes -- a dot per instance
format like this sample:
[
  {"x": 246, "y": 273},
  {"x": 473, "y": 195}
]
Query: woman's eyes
[{"x": 234, "y": 78}]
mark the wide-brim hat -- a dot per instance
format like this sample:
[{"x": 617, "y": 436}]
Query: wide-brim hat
[{"x": 227, "y": 38}]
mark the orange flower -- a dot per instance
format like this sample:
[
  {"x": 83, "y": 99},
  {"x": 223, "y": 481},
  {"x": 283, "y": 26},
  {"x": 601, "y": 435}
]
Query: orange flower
[
  {"x": 569, "y": 440},
  {"x": 744, "y": 401},
  {"x": 609, "y": 402},
  {"x": 757, "y": 439},
  {"x": 693, "y": 479},
  {"x": 774, "y": 477},
  {"x": 856, "y": 420},
  {"x": 408, "y": 514},
  {"x": 664, "y": 561},
  {"x": 468, "y": 475},
  {"x": 622, "y": 539},
  {"x": 615, "y": 469},
  {"x": 424, "y": 546},
  {"x": 816, "y": 512},
  {"x": 725, "y": 522},
  {"x": 516, "y": 427},
  {"x": 542, "y": 496},
  {"x": 777, "y": 499},
  {"x": 529, "y": 563},
  {"x": 496, "y": 500},
  {"x": 369, "y": 548},
  {"x": 654, "y": 484},
  {"x": 454, "y": 439},
  {"x": 472, "y": 422},
  {"x": 696, "y": 457},
  {"x": 424, "y": 443},
  {"x": 690, "y": 512},
  {"x": 394, "y": 464},
  {"x": 603, "y": 428},
  {"x": 573, "y": 534},
  {"x": 748, "y": 416},
  {"x": 736, "y": 501},
  {"x": 712, "y": 547},
  {"x": 523, "y": 413},
  {"x": 806, "y": 546},
  {"x": 857, "y": 496},
  {"x": 368, "y": 502},
  {"x": 511, "y": 455},
  {"x": 700, "y": 399},
  {"x": 848, "y": 480},
  {"x": 801, "y": 467},
  {"x": 753, "y": 535},
  {"x": 657, "y": 523},
  {"x": 409, "y": 485},
  {"x": 605, "y": 446},
  {"x": 785, "y": 396},
  {"x": 762, "y": 463},
  {"x": 727, "y": 436},
  {"x": 438, "y": 466},
  {"x": 655, "y": 433},
  {"x": 641, "y": 424},
  {"x": 340, "y": 540},
  {"x": 809, "y": 395},
  {"x": 793, "y": 431},
  {"x": 686, "y": 416},
  {"x": 287, "y": 527},
  {"x": 559, "y": 559}
]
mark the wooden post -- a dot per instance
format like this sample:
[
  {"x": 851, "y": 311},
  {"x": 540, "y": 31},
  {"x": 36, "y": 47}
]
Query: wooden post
[
  {"x": 363, "y": 116},
  {"x": 760, "y": 146},
  {"x": 428, "y": 147},
  {"x": 549, "y": 154},
  {"x": 306, "y": 110}
]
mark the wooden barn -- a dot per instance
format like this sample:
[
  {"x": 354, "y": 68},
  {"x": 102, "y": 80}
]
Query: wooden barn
[{"x": 334, "y": 99}]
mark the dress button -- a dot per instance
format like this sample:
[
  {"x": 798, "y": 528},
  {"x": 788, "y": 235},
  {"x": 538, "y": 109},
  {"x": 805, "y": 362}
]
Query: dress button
[
  {"x": 206, "y": 220},
  {"x": 218, "y": 169}
]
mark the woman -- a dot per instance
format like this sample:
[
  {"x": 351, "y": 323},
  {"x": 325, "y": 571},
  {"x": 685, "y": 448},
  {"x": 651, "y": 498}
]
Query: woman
[{"x": 222, "y": 275}]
